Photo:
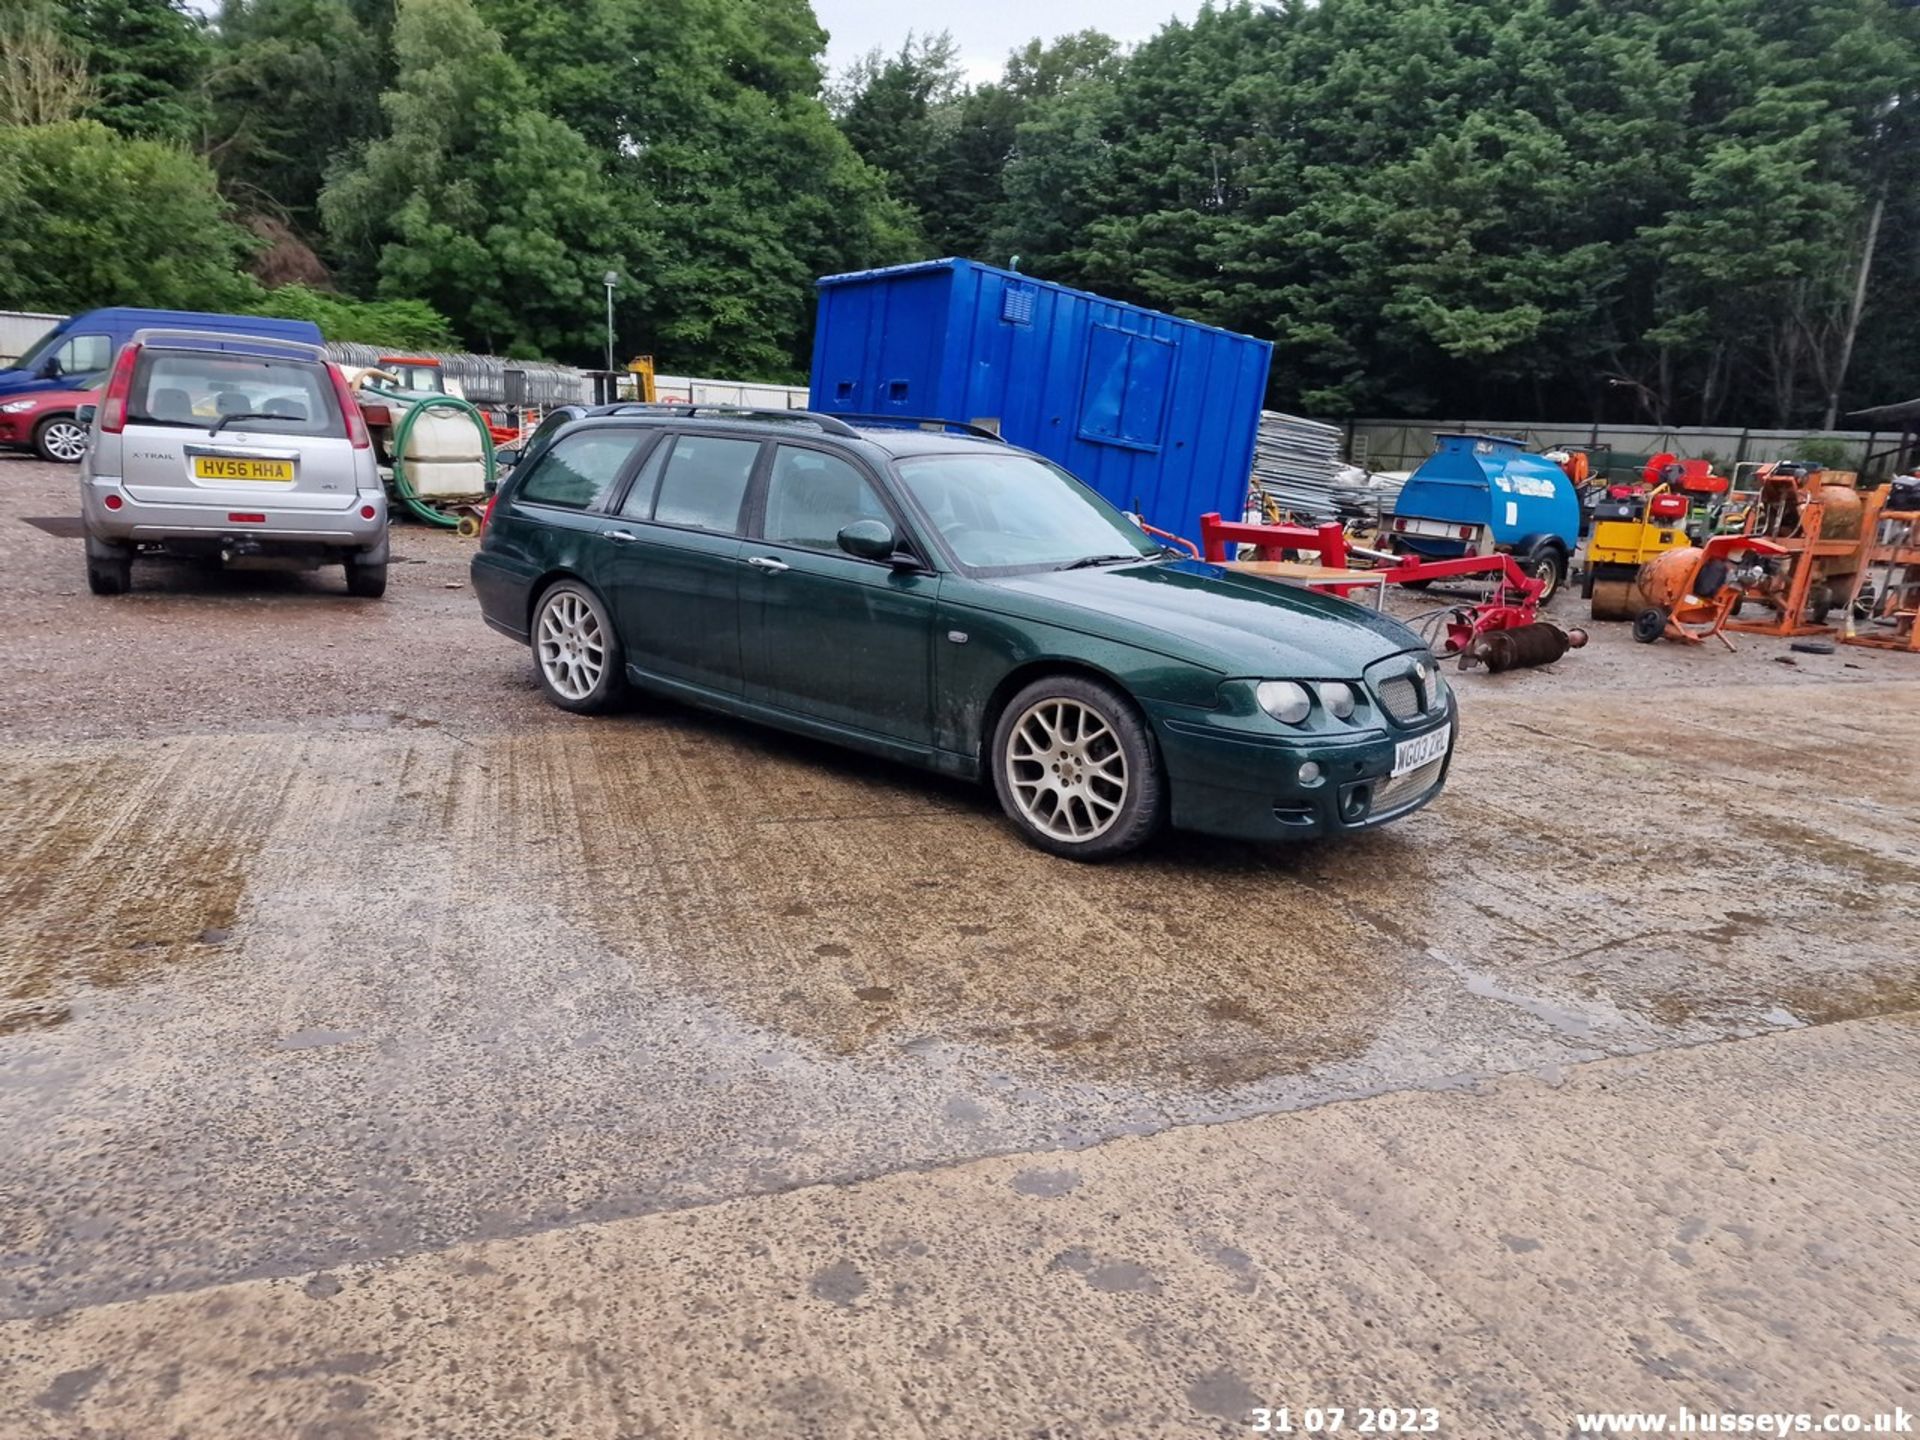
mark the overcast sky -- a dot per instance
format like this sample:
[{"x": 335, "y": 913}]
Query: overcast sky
[{"x": 985, "y": 29}]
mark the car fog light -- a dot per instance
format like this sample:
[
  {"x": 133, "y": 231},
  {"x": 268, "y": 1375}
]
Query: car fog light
[
  {"x": 1310, "y": 773},
  {"x": 1284, "y": 700},
  {"x": 1337, "y": 696}
]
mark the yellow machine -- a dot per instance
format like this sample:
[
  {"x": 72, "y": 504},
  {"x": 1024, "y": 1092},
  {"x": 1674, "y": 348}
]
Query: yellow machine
[
  {"x": 1626, "y": 535},
  {"x": 641, "y": 368}
]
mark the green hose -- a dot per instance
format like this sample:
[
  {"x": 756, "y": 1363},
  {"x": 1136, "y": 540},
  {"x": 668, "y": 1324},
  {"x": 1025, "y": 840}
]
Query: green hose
[{"x": 415, "y": 408}]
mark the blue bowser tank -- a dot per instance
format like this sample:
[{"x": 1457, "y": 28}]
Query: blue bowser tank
[{"x": 1478, "y": 494}]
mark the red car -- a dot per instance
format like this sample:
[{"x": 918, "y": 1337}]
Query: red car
[{"x": 43, "y": 423}]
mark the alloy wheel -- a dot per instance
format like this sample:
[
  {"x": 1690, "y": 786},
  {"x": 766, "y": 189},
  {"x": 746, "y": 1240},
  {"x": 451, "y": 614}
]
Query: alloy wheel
[
  {"x": 65, "y": 440},
  {"x": 573, "y": 650},
  {"x": 1066, "y": 770}
]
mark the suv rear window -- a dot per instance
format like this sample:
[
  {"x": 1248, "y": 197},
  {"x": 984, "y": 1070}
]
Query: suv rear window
[{"x": 194, "y": 387}]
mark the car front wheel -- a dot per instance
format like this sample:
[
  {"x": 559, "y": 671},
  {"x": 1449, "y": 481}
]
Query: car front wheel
[
  {"x": 576, "y": 651},
  {"x": 61, "y": 439},
  {"x": 1076, "y": 770}
]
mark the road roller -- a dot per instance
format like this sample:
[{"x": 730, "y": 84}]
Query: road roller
[{"x": 1627, "y": 533}]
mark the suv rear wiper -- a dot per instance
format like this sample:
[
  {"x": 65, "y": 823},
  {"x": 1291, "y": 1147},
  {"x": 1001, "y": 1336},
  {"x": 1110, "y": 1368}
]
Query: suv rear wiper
[
  {"x": 220, "y": 424},
  {"x": 1087, "y": 562}
]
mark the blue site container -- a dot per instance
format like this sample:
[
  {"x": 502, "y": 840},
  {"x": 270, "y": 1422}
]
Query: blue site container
[
  {"x": 1156, "y": 413},
  {"x": 1481, "y": 493}
]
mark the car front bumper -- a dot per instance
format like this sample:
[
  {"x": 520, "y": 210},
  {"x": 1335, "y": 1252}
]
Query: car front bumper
[{"x": 1224, "y": 781}]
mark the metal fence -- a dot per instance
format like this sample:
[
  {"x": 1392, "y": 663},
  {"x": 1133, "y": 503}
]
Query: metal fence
[
  {"x": 19, "y": 329},
  {"x": 1403, "y": 444}
]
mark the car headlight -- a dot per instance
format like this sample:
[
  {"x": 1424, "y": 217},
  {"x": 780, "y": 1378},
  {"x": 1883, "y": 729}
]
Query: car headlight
[
  {"x": 1338, "y": 697},
  {"x": 14, "y": 407},
  {"x": 1284, "y": 700}
]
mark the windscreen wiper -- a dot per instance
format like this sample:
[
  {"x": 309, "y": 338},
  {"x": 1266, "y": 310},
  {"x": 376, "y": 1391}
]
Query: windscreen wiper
[
  {"x": 1087, "y": 562},
  {"x": 220, "y": 424}
]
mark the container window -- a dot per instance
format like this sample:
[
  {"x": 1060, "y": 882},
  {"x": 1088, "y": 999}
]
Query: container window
[
  {"x": 1125, "y": 400},
  {"x": 897, "y": 392}
]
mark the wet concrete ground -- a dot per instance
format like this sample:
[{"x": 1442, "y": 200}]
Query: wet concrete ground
[{"x": 330, "y": 956}]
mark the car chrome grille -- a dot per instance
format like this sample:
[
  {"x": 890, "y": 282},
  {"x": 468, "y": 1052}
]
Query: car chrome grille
[
  {"x": 1399, "y": 697},
  {"x": 1405, "y": 789}
]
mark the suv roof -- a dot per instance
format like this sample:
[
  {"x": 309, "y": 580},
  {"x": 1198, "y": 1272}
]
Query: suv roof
[{"x": 897, "y": 435}]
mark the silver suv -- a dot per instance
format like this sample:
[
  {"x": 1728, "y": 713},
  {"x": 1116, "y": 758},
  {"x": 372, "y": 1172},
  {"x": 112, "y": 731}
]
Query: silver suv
[{"x": 230, "y": 447}]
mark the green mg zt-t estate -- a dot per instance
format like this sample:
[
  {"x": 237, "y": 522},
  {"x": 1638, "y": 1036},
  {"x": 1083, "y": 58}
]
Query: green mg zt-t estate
[{"x": 928, "y": 593}]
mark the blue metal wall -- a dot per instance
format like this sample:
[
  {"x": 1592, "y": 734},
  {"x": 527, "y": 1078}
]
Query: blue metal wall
[{"x": 1156, "y": 413}]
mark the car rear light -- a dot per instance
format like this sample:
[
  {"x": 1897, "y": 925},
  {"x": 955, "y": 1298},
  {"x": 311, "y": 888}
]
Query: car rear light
[
  {"x": 239, "y": 518},
  {"x": 487, "y": 514},
  {"x": 113, "y": 406},
  {"x": 378, "y": 415},
  {"x": 350, "y": 409},
  {"x": 112, "y": 502},
  {"x": 1401, "y": 526},
  {"x": 367, "y": 512}
]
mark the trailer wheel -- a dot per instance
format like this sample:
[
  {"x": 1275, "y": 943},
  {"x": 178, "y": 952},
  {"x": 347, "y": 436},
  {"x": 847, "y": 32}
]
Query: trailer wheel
[
  {"x": 1649, "y": 626},
  {"x": 1547, "y": 563}
]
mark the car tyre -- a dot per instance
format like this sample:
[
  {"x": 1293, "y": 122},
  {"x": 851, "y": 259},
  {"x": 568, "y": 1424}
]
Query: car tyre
[
  {"x": 576, "y": 651},
  {"x": 109, "y": 577},
  {"x": 60, "y": 439},
  {"x": 1076, "y": 770},
  {"x": 367, "y": 580}
]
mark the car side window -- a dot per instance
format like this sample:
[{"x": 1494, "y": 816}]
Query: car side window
[
  {"x": 813, "y": 496},
  {"x": 579, "y": 469},
  {"x": 84, "y": 354},
  {"x": 704, "y": 482}
]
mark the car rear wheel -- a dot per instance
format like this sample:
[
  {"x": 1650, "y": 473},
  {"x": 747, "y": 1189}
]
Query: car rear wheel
[
  {"x": 109, "y": 577},
  {"x": 1076, "y": 770},
  {"x": 576, "y": 650},
  {"x": 61, "y": 439},
  {"x": 366, "y": 581}
]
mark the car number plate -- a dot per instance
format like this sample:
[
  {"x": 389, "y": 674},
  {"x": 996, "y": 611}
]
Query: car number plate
[
  {"x": 228, "y": 467},
  {"x": 1421, "y": 750}
]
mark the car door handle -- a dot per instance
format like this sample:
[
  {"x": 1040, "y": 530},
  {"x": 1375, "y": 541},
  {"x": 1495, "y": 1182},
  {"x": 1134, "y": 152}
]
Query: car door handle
[
  {"x": 768, "y": 563},
  {"x": 621, "y": 537}
]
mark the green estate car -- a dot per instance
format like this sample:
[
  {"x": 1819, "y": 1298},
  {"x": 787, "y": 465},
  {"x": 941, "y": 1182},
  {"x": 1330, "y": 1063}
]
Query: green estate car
[{"x": 926, "y": 592}]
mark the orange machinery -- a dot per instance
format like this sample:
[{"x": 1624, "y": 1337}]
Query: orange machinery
[
  {"x": 1822, "y": 524},
  {"x": 1691, "y": 593},
  {"x": 1893, "y": 553}
]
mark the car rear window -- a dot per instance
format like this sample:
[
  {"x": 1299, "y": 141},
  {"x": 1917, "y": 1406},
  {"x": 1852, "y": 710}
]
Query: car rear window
[{"x": 273, "y": 396}]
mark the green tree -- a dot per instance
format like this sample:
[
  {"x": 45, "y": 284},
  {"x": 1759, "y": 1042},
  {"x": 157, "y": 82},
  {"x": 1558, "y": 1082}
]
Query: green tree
[
  {"x": 292, "y": 84},
  {"x": 89, "y": 217},
  {"x": 147, "y": 59},
  {"x": 475, "y": 201},
  {"x": 734, "y": 188}
]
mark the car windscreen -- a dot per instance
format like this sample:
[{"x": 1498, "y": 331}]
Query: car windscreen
[
  {"x": 1002, "y": 511},
  {"x": 200, "y": 388}
]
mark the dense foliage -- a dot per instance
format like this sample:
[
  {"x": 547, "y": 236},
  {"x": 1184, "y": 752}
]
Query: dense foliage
[{"x": 1624, "y": 209}]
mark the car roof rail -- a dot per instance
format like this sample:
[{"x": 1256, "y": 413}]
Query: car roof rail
[
  {"x": 188, "y": 339},
  {"x": 831, "y": 424},
  {"x": 924, "y": 422}
]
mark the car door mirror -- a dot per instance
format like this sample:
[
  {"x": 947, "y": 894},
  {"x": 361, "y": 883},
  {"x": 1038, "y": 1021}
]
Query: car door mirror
[
  {"x": 869, "y": 540},
  {"x": 505, "y": 459},
  {"x": 83, "y": 414}
]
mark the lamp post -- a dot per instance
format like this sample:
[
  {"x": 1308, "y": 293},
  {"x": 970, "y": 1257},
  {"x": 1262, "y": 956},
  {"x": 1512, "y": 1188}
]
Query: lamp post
[{"x": 610, "y": 279}]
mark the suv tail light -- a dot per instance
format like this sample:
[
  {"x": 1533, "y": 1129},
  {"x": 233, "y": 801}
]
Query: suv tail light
[
  {"x": 349, "y": 409},
  {"x": 487, "y": 514},
  {"x": 113, "y": 405}
]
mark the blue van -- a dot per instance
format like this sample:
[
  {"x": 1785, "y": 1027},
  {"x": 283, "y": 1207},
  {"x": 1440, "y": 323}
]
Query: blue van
[
  {"x": 1482, "y": 494},
  {"x": 82, "y": 346}
]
